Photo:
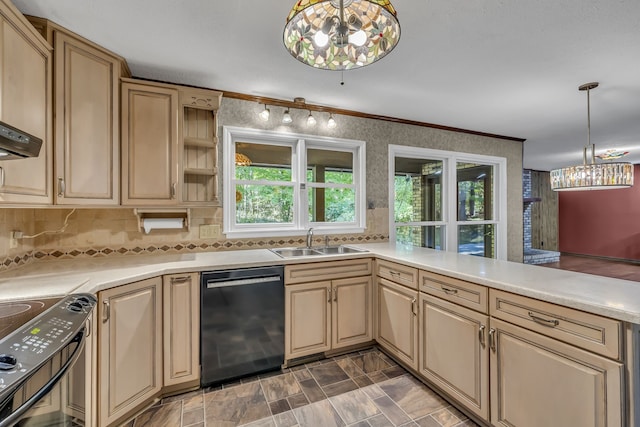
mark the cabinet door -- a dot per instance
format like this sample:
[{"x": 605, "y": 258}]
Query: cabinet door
[
  {"x": 538, "y": 381},
  {"x": 130, "y": 355},
  {"x": 397, "y": 321},
  {"x": 181, "y": 328},
  {"x": 351, "y": 312},
  {"x": 25, "y": 103},
  {"x": 307, "y": 319},
  {"x": 87, "y": 135},
  {"x": 150, "y": 132},
  {"x": 453, "y": 352}
]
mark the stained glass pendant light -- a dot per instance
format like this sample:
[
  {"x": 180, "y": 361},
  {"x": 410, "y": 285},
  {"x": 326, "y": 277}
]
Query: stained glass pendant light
[
  {"x": 341, "y": 34},
  {"x": 592, "y": 176}
]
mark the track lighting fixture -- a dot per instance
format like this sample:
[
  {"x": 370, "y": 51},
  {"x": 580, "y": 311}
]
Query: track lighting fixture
[
  {"x": 286, "y": 117},
  {"x": 264, "y": 114},
  {"x": 311, "y": 121},
  {"x": 331, "y": 123}
]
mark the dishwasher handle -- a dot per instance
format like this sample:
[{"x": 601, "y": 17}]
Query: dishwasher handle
[{"x": 242, "y": 281}]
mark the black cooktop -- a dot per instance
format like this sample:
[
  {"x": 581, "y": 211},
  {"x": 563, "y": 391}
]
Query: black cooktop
[{"x": 16, "y": 313}]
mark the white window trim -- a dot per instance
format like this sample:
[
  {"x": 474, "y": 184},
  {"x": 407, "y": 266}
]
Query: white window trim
[
  {"x": 299, "y": 144},
  {"x": 449, "y": 196}
]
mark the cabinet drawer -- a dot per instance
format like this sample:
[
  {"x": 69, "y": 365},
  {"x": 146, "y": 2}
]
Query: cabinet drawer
[
  {"x": 316, "y": 271},
  {"x": 467, "y": 294},
  {"x": 598, "y": 334},
  {"x": 407, "y": 276}
]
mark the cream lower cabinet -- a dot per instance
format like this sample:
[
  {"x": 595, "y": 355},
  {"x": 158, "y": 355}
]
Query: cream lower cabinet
[
  {"x": 454, "y": 353},
  {"x": 130, "y": 348},
  {"x": 397, "y": 321},
  {"x": 539, "y": 381},
  {"x": 181, "y": 329},
  {"x": 327, "y": 315}
]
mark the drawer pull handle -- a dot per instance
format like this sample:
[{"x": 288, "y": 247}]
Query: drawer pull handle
[
  {"x": 551, "y": 323},
  {"x": 481, "y": 335},
  {"x": 492, "y": 339},
  {"x": 329, "y": 300},
  {"x": 394, "y": 273},
  {"x": 181, "y": 279},
  {"x": 106, "y": 310},
  {"x": 448, "y": 291},
  {"x": 413, "y": 307},
  {"x": 62, "y": 188}
]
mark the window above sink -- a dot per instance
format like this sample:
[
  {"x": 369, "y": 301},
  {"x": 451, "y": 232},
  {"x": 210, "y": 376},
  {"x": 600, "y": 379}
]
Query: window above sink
[{"x": 281, "y": 184}]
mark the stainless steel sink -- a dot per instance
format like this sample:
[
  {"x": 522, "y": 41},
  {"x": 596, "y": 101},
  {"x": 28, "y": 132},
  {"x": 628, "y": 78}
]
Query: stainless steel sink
[
  {"x": 333, "y": 250},
  {"x": 320, "y": 250}
]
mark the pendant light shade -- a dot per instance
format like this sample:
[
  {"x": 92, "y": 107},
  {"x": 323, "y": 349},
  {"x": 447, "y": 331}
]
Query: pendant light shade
[
  {"x": 341, "y": 34},
  {"x": 592, "y": 176}
]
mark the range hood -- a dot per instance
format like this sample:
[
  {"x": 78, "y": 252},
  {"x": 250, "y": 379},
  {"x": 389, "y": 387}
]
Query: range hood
[{"x": 16, "y": 144}]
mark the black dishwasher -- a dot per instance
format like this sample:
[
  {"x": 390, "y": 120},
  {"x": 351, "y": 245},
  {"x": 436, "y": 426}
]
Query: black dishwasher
[{"x": 242, "y": 323}]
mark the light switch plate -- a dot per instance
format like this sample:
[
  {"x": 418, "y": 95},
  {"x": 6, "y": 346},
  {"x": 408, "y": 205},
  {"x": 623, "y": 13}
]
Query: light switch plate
[{"x": 209, "y": 231}]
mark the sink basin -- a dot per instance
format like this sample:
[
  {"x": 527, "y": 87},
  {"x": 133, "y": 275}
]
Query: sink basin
[
  {"x": 293, "y": 252},
  {"x": 334, "y": 250},
  {"x": 326, "y": 250}
]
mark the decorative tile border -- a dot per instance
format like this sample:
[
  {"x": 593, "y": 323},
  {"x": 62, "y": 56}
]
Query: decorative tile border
[{"x": 175, "y": 248}]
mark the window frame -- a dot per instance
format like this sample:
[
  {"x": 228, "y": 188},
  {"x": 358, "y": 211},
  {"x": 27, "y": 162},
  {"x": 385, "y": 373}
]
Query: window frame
[
  {"x": 299, "y": 144},
  {"x": 450, "y": 220}
]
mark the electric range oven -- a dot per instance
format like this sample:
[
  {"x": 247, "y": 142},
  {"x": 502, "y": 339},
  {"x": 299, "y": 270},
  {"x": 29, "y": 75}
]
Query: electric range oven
[{"x": 43, "y": 362}]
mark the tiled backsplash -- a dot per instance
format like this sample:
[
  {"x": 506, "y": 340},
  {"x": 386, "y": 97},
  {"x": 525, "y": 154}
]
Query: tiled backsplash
[{"x": 115, "y": 232}]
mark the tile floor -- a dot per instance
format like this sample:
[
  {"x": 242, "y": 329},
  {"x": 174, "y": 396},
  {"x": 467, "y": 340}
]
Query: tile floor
[{"x": 364, "y": 389}]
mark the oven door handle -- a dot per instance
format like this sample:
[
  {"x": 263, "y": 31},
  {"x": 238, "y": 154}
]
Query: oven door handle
[{"x": 15, "y": 415}]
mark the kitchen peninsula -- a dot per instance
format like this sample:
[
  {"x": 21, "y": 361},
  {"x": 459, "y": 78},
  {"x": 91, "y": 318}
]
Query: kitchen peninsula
[{"x": 583, "y": 323}]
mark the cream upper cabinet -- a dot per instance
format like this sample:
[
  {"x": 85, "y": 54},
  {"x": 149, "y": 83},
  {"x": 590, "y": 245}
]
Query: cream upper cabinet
[
  {"x": 454, "y": 353},
  {"x": 25, "y": 103},
  {"x": 397, "y": 321},
  {"x": 333, "y": 310},
  {"x": 87, "y": 122},
  {"x": 150, "y": 131},
  {"x": 130, "y": 348},
  {"x": 181, "y": 329},
  {"x": 539, "y": 381}
]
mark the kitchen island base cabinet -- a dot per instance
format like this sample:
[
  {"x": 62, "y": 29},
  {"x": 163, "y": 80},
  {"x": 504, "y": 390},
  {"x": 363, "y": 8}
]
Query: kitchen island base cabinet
[
  {"x": 397, "y": 321},
  {"x": 539, "y": 381},
  {"x": 130, "y": 353},
  {"x": 454, "y": 353}
]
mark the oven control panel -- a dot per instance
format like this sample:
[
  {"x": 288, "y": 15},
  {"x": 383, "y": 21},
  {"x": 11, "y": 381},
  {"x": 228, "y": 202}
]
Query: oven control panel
[{"x": 29, "y": 347}]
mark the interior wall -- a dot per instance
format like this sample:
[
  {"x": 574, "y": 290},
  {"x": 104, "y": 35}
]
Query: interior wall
[
  {"x": 109, "y": 229},
  {"x": 601, "y": 223}
]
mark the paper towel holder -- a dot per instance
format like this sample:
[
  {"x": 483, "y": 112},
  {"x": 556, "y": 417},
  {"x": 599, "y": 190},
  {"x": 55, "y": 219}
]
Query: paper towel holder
[{"x": 169, "y": 214}]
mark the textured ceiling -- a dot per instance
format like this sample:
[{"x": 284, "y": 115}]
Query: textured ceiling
[{"x": 503, "y": 67}]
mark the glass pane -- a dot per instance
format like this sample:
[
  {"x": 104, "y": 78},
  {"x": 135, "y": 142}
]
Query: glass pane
[
  {"x": 263, "y": 162},
  {"x": 418, "y": 190},
  {"x": 264, "y": 204},
  {"x": 334, "y": 167},
  {"x": 332, "y": 205},
  {"x": 477, "y": 239},
  {"x": 475, "y": 191},
  {"x": 424, "y": 236}
]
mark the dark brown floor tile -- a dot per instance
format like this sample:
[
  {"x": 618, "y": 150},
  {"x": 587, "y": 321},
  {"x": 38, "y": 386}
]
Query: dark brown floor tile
[
  {"x": 328, "y": 373},
  {"x": 194, "y": 416},
  {"x": 286, "y": 419},
  {"x": 297, "y": 401},
  {"x": 354, "y": 406},
  {"x": 280, "y": 387},
  {"x": 377, "y": 377},
  {"x": 416, "y": 399},
  {"x": 363, "y": 381},
  {"x": 394, "y": 371},
  {"x": 279, "y": 406},
  {"x": 339, "y": 388},
  {"x": 312, "y": 390},
  {"x": 237, "y": 405},
  {"x": 318, "y": 414},
  {"x": 167, "y": 415},
  {"x": 427, "y": 421},
  {"x": 302, "y": 374},
  {"x": 392, "y": 411}
]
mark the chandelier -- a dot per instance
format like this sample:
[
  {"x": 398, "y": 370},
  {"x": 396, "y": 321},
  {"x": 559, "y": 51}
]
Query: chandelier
[
  {"x": 341, "y": 34},
  {"x": 592, "y": 176}
]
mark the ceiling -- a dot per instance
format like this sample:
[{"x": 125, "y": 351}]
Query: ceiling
[{"x": 503, "y": 67}]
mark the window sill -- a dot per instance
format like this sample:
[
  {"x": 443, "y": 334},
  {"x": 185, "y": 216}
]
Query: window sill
[{"x": 285, "y": 233}]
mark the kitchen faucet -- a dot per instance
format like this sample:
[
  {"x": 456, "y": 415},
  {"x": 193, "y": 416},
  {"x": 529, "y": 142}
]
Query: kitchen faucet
[{"x": 310, "y": 237}]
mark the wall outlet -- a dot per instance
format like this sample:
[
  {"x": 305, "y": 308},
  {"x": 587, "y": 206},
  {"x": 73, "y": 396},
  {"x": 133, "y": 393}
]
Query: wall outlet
[
  {"x": 13, "y": 239},
  {"x": 209, "y": 231}
]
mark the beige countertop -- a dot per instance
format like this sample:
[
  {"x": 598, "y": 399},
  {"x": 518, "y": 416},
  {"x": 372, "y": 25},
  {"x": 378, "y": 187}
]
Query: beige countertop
[{"x": 619, "y": 299}]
